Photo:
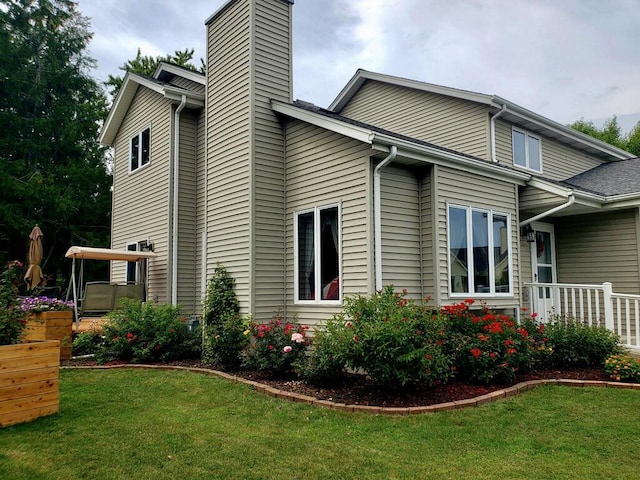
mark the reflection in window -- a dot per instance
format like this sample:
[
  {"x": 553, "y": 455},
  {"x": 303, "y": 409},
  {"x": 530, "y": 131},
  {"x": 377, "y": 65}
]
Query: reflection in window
[
  {"x": 485, "y": 267},
  {"x": 318, "y": 255},
  {"x": 526, "y": 151},
  {"x": 139, "y": 148}
]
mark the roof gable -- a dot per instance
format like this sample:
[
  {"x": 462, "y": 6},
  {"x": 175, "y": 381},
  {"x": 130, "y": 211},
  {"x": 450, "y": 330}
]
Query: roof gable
[{"x": 512, "y": 112}]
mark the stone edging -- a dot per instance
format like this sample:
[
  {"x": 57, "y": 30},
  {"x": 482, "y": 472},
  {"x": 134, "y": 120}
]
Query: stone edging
[{"x": 440, "y": 407}]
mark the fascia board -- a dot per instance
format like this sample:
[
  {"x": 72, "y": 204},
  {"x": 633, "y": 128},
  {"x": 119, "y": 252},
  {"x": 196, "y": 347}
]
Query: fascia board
[
  {"x": 118, "y": 109},
  {"x": 439, "y": 157},
  {"x": 560, "y": 129},
  {"x": 193, "y": 100},
  {"x": 549, "y": 187},
  {"x": 180, "y": 72},
  {"x": 358, "y": 133}
]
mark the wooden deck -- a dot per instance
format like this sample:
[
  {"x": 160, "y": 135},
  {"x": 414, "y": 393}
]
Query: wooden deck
[{"x": 89, "y": 324}]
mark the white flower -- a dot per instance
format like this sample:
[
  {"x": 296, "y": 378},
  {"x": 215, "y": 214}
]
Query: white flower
[{"x": 287, "y": 349}]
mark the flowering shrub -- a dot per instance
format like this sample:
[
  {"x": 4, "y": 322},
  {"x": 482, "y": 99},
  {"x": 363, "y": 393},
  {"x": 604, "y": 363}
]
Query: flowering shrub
[
  {"x": 12, "y": 320},
  {"x": 147, "y": 332},
  {"x": 390, "y": 337},
  {"x": 575, "y": 344},
  {"x": 224, "y": 329},
  {"x": 275, "y": 347},
  {"x": 489, "y": 347},
  {"x": 44, "y": 304},
  {"x": 623, "y": 368}
]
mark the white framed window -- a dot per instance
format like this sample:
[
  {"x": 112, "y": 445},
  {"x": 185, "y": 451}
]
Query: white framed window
[
  {"x": 479, "y": 245},
  {"x": 139, "y": 149},
  {"x": 317, "y": 256},
  {"x": 527, "y": 151}
]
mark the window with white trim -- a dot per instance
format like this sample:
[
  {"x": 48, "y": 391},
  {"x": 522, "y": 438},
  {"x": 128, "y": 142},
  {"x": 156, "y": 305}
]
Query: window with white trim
[
  {"x": 526, "y": 150},
  {"x": 317, "y": 255},
  {"x": 479, "y": 252},
  {"x": 139, "y": 148}
]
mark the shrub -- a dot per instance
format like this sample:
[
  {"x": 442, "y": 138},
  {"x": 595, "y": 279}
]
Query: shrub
[
  {"x": 147, "y": 332},
  {"x": 87, "y": 343},
  {"x": 575, "y": 344},
  {"x": 395, "y": 341},
  {"x": 623, "y": 368},
  {"x": 224, "y": 329},
  {"x": 326, "y": 361},
  {"x": 489, "y": 347},
  {"x": 277, "y": 346},
  {"x": 12, "y": 321}
]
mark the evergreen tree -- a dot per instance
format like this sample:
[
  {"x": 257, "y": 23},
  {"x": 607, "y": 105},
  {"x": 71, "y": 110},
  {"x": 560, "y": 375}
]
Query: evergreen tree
[{"x": 52, "y": 170}]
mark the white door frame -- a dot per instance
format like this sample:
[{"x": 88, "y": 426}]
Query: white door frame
[{"x": 544, "y": 299}]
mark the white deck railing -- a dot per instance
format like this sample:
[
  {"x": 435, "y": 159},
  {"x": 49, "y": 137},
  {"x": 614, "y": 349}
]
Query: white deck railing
[{"x": 591, "y": 304}]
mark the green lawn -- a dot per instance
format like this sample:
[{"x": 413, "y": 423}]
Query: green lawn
[{"x": 147, "y": 424}]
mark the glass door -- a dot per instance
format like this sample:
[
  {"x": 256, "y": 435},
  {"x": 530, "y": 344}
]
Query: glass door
[{"x": 543, "y": 258}]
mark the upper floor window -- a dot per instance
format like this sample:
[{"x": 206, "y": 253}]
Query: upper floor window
[
  {"x": 139, "y": 149},
  {"x": 317, "y": 255},
  {"x": 479, "y": 252},
  {"x": 526, "y": 150}
]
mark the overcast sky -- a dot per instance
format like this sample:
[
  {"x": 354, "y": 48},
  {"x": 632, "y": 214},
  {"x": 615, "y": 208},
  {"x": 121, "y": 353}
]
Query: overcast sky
[{"x": 564, "y": 59}]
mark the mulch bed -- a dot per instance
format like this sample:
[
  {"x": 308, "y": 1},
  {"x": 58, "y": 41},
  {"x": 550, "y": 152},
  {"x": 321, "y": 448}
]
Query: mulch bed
[{"x": 358, "y": 389}]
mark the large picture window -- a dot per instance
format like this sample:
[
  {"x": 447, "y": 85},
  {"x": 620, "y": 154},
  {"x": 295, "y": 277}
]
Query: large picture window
[
  {"x": 479, "y": 251},
  {"x": 526, "y": 151},
  {"x": 317, "y": 255},
  {"x": 139, "y": 149}
]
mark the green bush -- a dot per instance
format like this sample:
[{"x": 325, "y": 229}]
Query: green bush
[
  {"x": 87, "y": 343},
  {"x": 326, "y": 361},
  {"x": 487, "y": 347},
  {"x": 277, "y": 346},
  {"x": 224, "y": 337},
  {"x": 12, "y": 321},
  {"x": 147, "y": 333},
  {"x": 575, "y": 344},
  {"x": 395, "y": 341},
  {"x": 623, "y": 368}
]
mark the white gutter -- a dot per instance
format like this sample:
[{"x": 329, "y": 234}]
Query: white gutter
[
  {"x": 377, "y": 215},
  {"x": 174, "y": 220},
  {"x": 493, "y": 133},
  {"x": 571, "y": 200}
]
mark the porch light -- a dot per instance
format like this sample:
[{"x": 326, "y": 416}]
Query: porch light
[{"x": 528, "y": 233}]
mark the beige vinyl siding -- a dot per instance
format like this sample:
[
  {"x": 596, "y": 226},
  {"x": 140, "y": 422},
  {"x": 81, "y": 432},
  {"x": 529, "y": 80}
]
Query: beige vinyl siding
[
  {"x": 187, "y": 234},
  {"x": 599, "y": 248},
  {"x": 536, "y": 200},
  {"x": 201, "y": 183},
  {"x": 228, "y": 147},
  {"x": 141, "y": 198},
  {"x": 559, "y": 161},
  {"x": 271, "y": 80},
  {"x": 326, "y": 168},
  {"x": 449, "y": 122},
  {"x": 427, "y": 234},
  {"x": 467, "y": 189},
  {"x": 400, "y": 225},
  {"x": 188, "y": 84}
]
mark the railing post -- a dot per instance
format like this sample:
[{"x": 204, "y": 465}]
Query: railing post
[{"x": 607, "y": 291}]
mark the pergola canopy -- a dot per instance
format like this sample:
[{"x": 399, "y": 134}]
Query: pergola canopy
[{"x": 91, "y": 253}]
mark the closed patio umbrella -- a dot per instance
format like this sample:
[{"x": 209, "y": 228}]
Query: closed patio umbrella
[{"x": 33, "y": 277}]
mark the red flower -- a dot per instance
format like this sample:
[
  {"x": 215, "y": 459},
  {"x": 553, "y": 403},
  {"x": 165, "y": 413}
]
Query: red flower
[
  {"x": 523, "y": 332},
  {"x": 508, "y": 342},
  {"x": 511, "y": 351},
  {"x": 271, "y": 347},
  {"x": 534, "y": 315},
  {"x": 492, "y": 354},
  {"x": 541, "y": 328},
  {"x": 483, "y": 338},
  {"x": 355, "y": 338},
  {"x": 130, "y": 335},
  {"x": 476, "y": 352}
]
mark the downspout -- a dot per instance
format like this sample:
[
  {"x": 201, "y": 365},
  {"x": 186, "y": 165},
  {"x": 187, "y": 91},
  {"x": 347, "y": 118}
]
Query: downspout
[
  {"x": 570, "y": 201},
  {"x": 493, "y": 133},
  {"x": 174, "y": 220},
  {"x": 377, "y": 215}
]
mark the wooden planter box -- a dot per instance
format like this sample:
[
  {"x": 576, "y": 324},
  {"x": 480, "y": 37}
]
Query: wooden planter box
[
  {"x": 29, "y": 375},
  {"x": 51, "y": 326}
]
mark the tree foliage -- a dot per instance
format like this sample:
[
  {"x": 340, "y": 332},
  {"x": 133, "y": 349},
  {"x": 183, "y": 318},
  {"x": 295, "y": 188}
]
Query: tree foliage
[
  {"x": 611, "y": 133},
  {"x": 52, "y": 170},
  {"x": 146, "y": 65}
]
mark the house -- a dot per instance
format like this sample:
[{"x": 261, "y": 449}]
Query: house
[{"x": 443, "y": 192}]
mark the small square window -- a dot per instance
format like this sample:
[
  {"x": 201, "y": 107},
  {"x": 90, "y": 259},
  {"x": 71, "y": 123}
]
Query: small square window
[
  {"x": 139, "y": 149},
  {"x": 526, "y": 151}
]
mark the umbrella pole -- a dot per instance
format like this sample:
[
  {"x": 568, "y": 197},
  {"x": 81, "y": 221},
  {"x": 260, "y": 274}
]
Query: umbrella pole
[{"x": 75, "y": 292}]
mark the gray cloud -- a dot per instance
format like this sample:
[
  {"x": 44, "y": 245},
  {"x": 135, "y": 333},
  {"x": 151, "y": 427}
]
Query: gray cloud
[{"x": 565, "y": 60}]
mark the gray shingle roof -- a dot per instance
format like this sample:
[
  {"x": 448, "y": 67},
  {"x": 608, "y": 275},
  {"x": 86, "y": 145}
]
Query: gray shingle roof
[{"x": 614, "y": 178}]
